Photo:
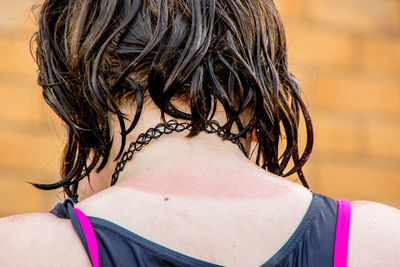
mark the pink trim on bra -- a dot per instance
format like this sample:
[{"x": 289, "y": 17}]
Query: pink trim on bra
[
  {"x": 342, "y": 233},
  {"x": 90, "y": 236}
]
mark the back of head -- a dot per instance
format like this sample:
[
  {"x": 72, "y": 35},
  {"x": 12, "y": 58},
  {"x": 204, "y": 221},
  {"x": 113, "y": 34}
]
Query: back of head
[{"x": 95, "y": 55}]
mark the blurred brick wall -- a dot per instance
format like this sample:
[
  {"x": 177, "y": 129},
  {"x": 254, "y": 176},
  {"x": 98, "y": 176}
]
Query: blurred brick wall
[
  {"x": 29, "y": 142},
  {"x": 345, "y": 53}
]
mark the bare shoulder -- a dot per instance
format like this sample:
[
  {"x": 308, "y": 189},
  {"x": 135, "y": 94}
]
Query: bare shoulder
[
  {"x": 374, "y": 238},
  {"x": 40, "y": 239}
]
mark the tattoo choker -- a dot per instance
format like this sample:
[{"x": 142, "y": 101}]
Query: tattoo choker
[{"x": 167, "y": 128}]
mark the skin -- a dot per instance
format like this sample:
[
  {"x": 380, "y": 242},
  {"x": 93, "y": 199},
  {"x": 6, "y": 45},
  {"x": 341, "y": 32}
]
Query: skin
[{"x": 200, "y": 197}]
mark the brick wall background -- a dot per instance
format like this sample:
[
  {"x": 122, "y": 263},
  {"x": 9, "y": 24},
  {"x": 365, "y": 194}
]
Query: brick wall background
[
  {"x": 345, "y": 54},
  {"x": 29, "y": 140}
]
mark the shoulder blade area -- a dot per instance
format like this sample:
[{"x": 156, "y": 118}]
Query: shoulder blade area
[
  {"x": 374, "y": 238},
  {"x": 40, "y": 239}
]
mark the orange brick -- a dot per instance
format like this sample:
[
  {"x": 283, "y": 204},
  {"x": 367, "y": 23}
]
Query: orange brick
[
  {"x": 363, "y": 16},
  {"x": 310, "y": 172},
  {"x": 22, "y": 102},
  {"x": 359, "y": 93},
  {"x": 15, "y": 57},
  {"x": 20, "y": 105},
  {"x": 17, "y": 196},
  {"x": 383, "y": 137},
  {"x": 30, "y": 151},
  {"x": 336, "y": 134},
  {"x": 381, "y": 55},
  {"x": 10, "y": 12},
  {"x": 312, "y": 44},
  {"x": 290, "y": 8},
  {"x": 305, "y": 75},
  {"x": 358, "y": 180}
]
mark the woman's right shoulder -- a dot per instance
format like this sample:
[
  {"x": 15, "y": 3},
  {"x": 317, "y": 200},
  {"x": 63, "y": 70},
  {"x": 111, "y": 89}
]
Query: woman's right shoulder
[
  {"x": 374, "y": 238},
  {"x": 40, "y": 239}
]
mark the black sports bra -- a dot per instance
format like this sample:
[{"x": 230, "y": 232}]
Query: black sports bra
[{"x": 312, "y": 243}]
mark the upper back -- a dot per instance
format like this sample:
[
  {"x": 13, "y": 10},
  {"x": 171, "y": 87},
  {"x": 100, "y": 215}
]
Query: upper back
[
  {"x": 245, "y": 234},
  {"x": 233, "y": 232}
]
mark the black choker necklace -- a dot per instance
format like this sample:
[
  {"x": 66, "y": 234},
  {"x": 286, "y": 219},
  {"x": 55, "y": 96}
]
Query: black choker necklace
[{"x": 167, "y": 128}]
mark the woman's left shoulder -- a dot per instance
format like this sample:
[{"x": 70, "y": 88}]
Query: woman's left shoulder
[
  {"x": 39, "y": 239},
  {"x": 374, "y": 237}
]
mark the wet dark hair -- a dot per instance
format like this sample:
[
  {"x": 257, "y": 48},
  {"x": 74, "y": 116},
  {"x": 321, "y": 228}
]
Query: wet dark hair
[{"x": 92, "y": 54}]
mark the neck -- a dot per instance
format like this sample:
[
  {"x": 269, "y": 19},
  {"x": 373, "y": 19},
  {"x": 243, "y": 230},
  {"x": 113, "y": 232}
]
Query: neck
[
  {"x": 166, "y": 129},
  {"x": 175, "y": 151},
  {"x": 203, "y": 166},
  {"x": 173, "y": 159}
]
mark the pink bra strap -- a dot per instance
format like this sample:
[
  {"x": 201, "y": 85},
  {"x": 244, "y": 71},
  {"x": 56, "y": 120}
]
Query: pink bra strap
[
  {"x": 342, "y": 233},
  {"x": 90, "y": 237}
]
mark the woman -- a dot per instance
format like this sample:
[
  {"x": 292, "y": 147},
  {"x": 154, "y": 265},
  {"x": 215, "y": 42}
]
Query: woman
[{"x": 180, "y": 117}]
